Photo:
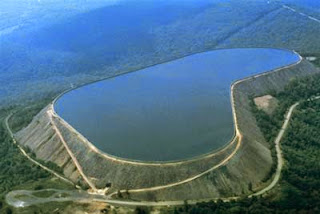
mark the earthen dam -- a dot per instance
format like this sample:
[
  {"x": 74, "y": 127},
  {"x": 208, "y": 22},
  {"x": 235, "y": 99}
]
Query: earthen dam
[{"x": 169, "y": 131}]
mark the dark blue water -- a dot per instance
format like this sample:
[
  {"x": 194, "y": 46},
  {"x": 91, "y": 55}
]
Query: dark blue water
[{"x": 176, "y": 110}]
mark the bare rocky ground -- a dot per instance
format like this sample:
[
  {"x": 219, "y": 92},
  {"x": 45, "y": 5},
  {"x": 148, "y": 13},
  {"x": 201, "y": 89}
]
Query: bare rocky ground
[{"x": 267, "y": 103}]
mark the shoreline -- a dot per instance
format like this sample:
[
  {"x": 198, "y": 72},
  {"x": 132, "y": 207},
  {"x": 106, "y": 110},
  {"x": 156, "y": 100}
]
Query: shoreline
[{"x": 173, "y": 162}]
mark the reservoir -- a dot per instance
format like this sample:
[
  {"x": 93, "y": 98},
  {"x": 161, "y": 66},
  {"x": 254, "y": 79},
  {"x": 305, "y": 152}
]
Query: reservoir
[{"x": 171, "y": 111}]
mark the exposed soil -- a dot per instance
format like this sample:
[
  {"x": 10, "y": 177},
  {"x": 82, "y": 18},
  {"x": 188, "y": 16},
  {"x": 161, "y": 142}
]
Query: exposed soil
[{"x": 267, "y": 103}]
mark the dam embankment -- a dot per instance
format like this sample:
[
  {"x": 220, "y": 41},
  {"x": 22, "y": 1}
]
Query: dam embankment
[{"x": 249, "y": 165}]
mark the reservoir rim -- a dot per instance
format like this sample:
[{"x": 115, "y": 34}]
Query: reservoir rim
[{"x": 179, "y": 161}]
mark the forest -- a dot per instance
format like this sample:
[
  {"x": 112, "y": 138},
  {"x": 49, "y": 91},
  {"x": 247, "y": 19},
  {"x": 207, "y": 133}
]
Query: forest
[{"x": 16, "y": 171}]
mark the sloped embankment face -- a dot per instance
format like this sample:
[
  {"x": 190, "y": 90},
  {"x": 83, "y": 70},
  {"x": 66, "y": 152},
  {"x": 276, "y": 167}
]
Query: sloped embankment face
[
  {"x": 253, "y": 161},
  {"x": 246, "y": 169},
  {"x": 52, "y": 139},
  {"x": 42, "y": 139}
]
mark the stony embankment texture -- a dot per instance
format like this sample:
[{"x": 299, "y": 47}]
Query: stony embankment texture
[
  {"x": 43, "y": 140},
  {"x": 247, "y": 168}
]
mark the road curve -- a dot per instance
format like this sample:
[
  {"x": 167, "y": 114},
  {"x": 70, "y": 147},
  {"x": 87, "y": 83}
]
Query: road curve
[
  {"x": 279, "y": 152},
  {"x": 278, "y": 149}
]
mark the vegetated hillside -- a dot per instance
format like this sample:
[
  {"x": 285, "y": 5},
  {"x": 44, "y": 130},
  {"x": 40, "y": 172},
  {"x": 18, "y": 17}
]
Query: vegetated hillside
[
  {"x": 80, "y": 47},
  {"x": 70, "y": 50},
  {"x": 17, "y": 14},
  {"x": 309, "y": 5},
  {"x": 282, "y": 28},
  {"x": 17, "y": 172}
]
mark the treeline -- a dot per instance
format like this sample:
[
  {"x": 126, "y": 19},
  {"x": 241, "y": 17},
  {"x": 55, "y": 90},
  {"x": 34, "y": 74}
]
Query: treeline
[
  {"x": 297, "y": 90},
  {"x": 16, "y": 171},
  {"x": 23, "y": 115},
  {"x": 302, "y": 154},
  {"x": 299, "y": 190}
]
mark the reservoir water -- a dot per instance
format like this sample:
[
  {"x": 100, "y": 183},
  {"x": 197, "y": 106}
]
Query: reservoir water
[{"x": 171, "y": 111}]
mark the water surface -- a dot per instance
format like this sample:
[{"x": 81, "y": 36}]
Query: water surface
[{"x": 176, "y": 110}]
